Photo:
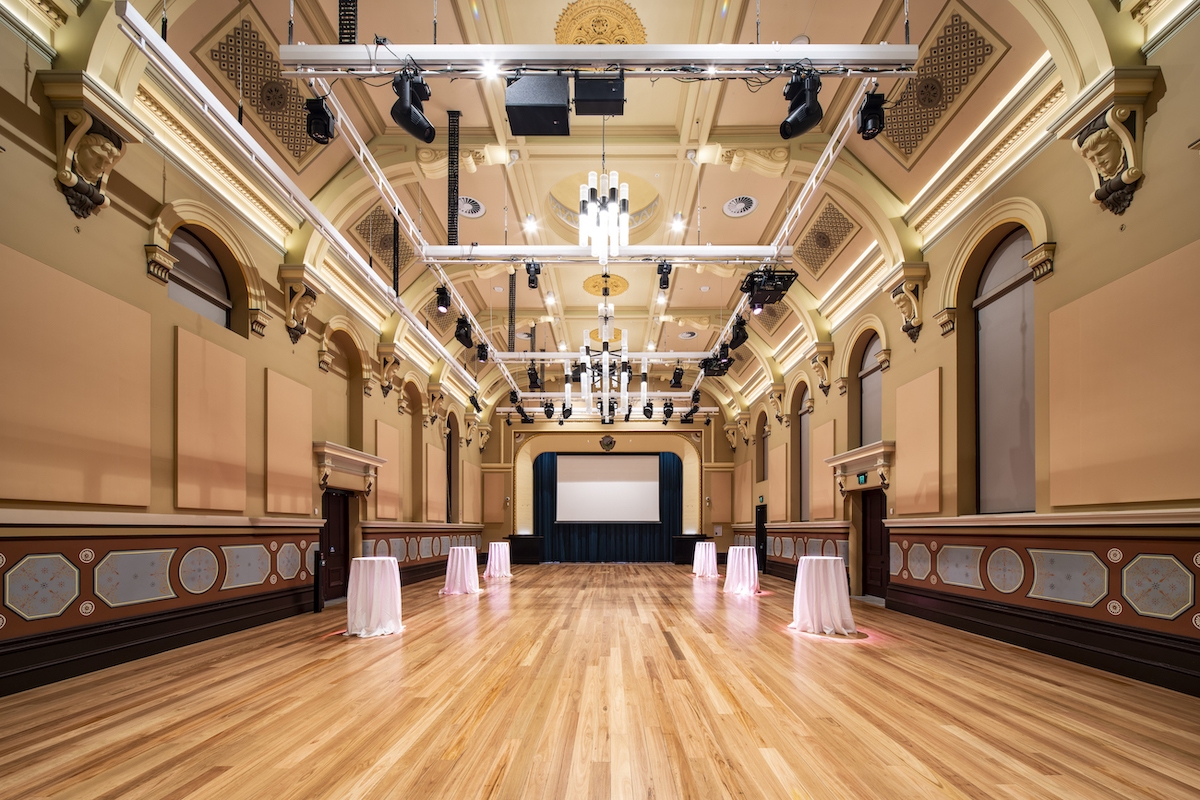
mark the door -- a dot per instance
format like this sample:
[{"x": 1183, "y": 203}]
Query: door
[
  {"x": 335, "y": 543},
  {"x": 874, "y": 544},
  {"x": 760, "y": 536}
]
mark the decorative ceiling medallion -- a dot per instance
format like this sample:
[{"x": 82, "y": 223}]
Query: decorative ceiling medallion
[
  {"x": 739, "y": 206},
  {"x": 614, "y": 336},
  {"x": 374, "y": 232},
  {"x": 594, "y": 285},
  {"x": 828, "y": 232},
  {"x": 688, "y": 335},
  {"x": 958, "y": 53},
  {"x": 599, "y": 22},
  {"x": 470, "y": 208},
  {"x": 242, "y": 51}
]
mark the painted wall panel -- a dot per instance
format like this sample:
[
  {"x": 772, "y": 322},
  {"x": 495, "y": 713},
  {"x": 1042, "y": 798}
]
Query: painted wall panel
[
  {"x": 495, "y": 490},
  {"x": 435, "y": 484},
  {"x": 210, "y": 425},
  {"x": 387, "y": 484},
  {"x": 471, "y": 491},
  {"x": 777, "y": 483},
  {"x": 743, "y": 485},
  {"x": 289, "y": 446},
  {"x": 919, "y": 445},
  {"x": 823, "y": 488},
  {"x": 721, "y": 486},
  {"x": 75, "y": 408}
]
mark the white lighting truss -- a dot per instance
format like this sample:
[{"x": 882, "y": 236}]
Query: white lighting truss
[{"x": 604, "y": 215}]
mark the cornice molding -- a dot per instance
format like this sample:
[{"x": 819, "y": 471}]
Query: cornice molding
[
  {"x": 71, "y": 518},
  {"x": 27, "y": 34},
  {"x": 1189, "y": 517}
]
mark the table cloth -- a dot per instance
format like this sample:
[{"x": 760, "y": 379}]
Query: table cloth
[
  {"x": 704, "y": 562},
  {"x": 822, "y": 603},
  {"x": 462, "y": 572},
  {"x": 741, "y": 571},
  {"x": 373, "y": 597},
  {"x": 498, "y": 565}
]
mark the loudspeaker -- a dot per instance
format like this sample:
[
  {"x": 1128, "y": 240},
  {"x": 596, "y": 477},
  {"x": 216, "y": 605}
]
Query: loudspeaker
[
  {"x": 596, "y": 97},
  {"x": 538, "y": 105}
]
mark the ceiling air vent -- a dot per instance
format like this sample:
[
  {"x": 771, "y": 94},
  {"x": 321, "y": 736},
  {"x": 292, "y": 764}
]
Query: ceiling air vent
[
  {"x": 470, "y": 208},
  {"x": 740, "y": 206}
]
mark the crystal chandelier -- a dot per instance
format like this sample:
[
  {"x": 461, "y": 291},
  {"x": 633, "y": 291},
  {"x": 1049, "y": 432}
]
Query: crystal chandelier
[{"x": 604, "y": 211}]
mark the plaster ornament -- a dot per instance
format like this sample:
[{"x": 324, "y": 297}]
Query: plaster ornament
[
  {"x": 403, "y": 406},
  {"x": 776, "y": 401},
  {"x": 731, "y": 435},
  {"x": 485, "y": 433},
  {"x": 390, "y": 366},
  {"x": 301, "y": 302},
  {"x": 907, "y": 299},
  {"x": 90, "y": 152},
  {"x": 1110, "y": 146},
  {"x": 744, "y": 432},
  {"x": 820, "y": 365}
]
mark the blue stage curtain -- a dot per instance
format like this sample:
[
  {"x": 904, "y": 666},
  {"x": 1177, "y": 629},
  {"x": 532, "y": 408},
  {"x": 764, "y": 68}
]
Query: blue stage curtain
[{"x": 595, "y": 542}]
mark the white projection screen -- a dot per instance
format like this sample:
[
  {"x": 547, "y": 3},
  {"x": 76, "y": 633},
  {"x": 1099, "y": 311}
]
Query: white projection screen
[{"x": 608, "y": 488}]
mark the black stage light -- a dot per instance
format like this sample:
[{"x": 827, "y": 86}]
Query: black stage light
[
  {"x": 462, "y": 332},
  {"x": 767, "y": 285},
  {"x": 548, "y": 409},
  {"x": 566, "y": 411},
  {"x": 664, "y": 275},
  {"x": 534, "y": 383},
  {"x": 756, "y": 307},
  {"x": 648, "y": 409},
  {"x": 870, "y": 116},
  {"x": 628, "y": 411},
  {"x": 695, "y": 397},
  {"x": 524, "y": 415},
  {"x": 321, "y": 124},
  {"x": 514, "y": 397},
  {"x": 533, "y": 269},
  {"x": 408, "y": 112},
  {"x": 481, "y": 352},
  {"x": 707, "y": 421},
  {"x": 677, "y": 378},
  {"x": 668, "y": 409},
  {"x": 475, "y": 402},
  {"x": 804, "y": 112},
  {"x": 738, "y": 335},
  {"x": 508, "y": 420},
  {"x": 719, "y": 364},
  {"x": 687, "y": 417},
  {"x": 443, "y": 299}
]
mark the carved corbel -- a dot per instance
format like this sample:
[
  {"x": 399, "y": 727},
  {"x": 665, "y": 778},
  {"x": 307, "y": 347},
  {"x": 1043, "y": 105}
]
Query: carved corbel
[
  {"x": 842, "y": 384},
  {"x": 883, "y": 471},
  {"x": 945, "y": 320},
  {"x": 326, "y": 468},
  {"x": 1111, "y": 145},
  {"x": 301, "y": 288},
  {"x": 820, "y": 365},
  {"x": 390, "y": 356},
  {"x": 884, "y": 359},
  {"x": 485, "y": 433},
  {"x": 324, "y": 358},
  {"x": 907, "y": 296},
  {"x": 369, "y": 483},
  {"x": 775, "y": 398},
  {"x": 89, "y": 152},
  {"x": 436, "y": 163},
  {"x": 743, "y": 430},
  {"x": 468, "y": 433},
  {"x": 159, "y": 262},
  {"x": 841, "y": 484},
  {"x": 368, "y": 384},
  {"x": 1041, "y": 260},
  {"x": 731, "y": 430},
  {"x": 403, "y": 406},
  {"x": 258, "y": 322},
  {"x": 768, "y": 162},
  {"x": 809, "y": 405}
]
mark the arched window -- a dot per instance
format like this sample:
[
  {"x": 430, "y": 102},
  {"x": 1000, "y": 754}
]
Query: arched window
[
  {"x": 800, "y": 449},
  {"x": 760, "y": 448},
  {"x": 870, "y": 385},
  {"x": 1004, "y": 378},
  {"x": 196, "y": 280},
  {"x": 451, "y": 468}
]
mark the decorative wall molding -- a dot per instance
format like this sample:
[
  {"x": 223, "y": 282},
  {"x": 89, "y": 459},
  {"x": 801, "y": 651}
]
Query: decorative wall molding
[
  {"x": 1111, "y": 144},
  {"x": 877, "y": 458},
  {"x": 435, "y": 163},
  {"x": 50, "y": 14},
  {"x": 1041, "y": 260},
  {"x": 823, "y": 352},
  {"x": 159, "y": 263},
  {"x": 1170, "y": 517},
  {"x": 775, "y": 400},
  {"x": 843, "y": 385},
  {"x": 908, "y": 295},
  {"x": 301, "y": 288},
  {"x": 768, "y": 162},
  {"x": 390, "y": 357},
  {"x": 945, "y": 320},
  {"x": 731, "y": 431},
  {"x": 884, "y": 359},
  {"x": 599, "y": 22},
  {"x": 332, "y": 457}
]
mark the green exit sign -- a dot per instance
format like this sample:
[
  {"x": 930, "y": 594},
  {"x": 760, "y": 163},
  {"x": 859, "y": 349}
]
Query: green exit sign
[{"x": 862, "y": 479}]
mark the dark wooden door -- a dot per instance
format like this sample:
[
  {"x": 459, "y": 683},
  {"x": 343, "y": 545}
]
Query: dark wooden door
[
  {"x": 335, "y": 544},
  {"x": 760, "y": 536},
  {"x": 874, "y": 543}
]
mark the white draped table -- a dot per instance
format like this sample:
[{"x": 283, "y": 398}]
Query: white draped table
[
  {"x": 373, "y": 597},
  {"x": 741, "y": 570},
  {"x": 822, "y": 602},
  {"x": 704, "y": 562},
  {"x": 499, "y": 565},
  {"x": 462, "y": 572}
]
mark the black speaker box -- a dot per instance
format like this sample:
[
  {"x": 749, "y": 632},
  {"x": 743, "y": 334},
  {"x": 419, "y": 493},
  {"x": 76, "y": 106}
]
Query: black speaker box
[
  {"x": 538, "y": 105},
  {"x": 596, "y": 97}
]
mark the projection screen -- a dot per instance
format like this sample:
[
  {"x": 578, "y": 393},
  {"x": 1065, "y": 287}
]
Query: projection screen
[{"x": 608, "y": 488}]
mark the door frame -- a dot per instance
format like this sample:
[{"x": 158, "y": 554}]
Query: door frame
[
  {"x": 324, "y": 542},
  {"x": 862, "y": 543},
  {"x": 760, "y": 536}
]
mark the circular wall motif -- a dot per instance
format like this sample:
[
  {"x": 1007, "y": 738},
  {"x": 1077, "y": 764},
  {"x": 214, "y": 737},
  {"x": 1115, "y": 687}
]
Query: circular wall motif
[
  {"x": 739, "y": 206},
  {"x": 437, "y": 546},
  {"x": 87, "y": 607},
  {"x": 1114, "y": 607},
  {"x": 821, "y": 239},
  {"x": 198, "y": 570},
  {"x": 933, "y": 546},
  {"x": 1005, "y": 570},
  {"x": 688, "y": 335},
  {"x": 904, "y": 574},
  {"x": 1115, "y": 555},
  {"x": 904, "y": 544},
  {"x": 1195, "y": 560},
  {"x": 274, "y": 579},
  {"x": 933, "y": 578},
  {"x": 929, "y": 92},
  {"x": 303, "y": 544},
  {"x": 3, "y": 620},
  {"x": 274, "y": 546},
  {"x": 599, "y": 22},
  {"x": 470, "y": 208},
  {"x": 1195, "y": 621},
  {"x": 273, "y": 95},
  {"x": 3, "y": 559},
  {"x": 303, "y": 575},
  {"x": 87, "y": 555}
]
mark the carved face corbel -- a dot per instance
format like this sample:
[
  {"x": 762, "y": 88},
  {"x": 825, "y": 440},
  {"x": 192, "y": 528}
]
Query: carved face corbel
[
  {"x": 301, "y": 287},
  {"x": 776, "y": 401},
  {"x": 820, "y": 365},
  {"x": 1110, "y": 145},
  {"x": 907, "y": 297},
  {"x": 485, "y": 433},
  {"x": 390, "y": 366},
  {"x": 731, "y": 430},
  {"x": 90, "y": 151}
]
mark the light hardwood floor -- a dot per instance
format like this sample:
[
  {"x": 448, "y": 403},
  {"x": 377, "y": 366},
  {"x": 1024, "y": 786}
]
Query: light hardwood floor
[{"x": 579, "y": 681}]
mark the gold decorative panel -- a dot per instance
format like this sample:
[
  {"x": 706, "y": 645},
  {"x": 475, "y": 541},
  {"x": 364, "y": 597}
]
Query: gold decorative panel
[
  {"x": 828, "y": 232},
  {"x": 957, "y": 54},
  {"x": 595, "y": 285},
  {"x": 242, "y": 50},
  {"x": 443, "y": 322},
  {"x": 772, "y": 316},
  {"x": 599, "y": 22},
  {"x": 374, "y": 231}
]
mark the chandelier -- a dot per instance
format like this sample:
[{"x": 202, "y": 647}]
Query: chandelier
[{"x": 604, "y": 211}]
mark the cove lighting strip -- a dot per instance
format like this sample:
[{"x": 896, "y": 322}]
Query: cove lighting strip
[
  {"x": 165, "y": 60},
  {"x": 649, "y": 255}
]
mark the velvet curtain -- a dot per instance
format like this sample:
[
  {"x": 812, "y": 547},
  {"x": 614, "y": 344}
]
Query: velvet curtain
[{"x": 599, "y": 541}]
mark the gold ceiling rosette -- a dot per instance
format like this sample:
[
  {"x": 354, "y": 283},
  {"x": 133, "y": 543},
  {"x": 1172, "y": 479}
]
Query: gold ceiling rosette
[{"x": 599, "y": 22}]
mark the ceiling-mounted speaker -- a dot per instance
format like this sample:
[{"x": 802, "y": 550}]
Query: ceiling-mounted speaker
[
  {"x": 539, "y": 105},
  {"x": 599, "y": 97}
]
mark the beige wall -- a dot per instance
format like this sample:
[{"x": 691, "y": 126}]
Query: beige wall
[
  {"x": 210, "y": 430},
  {"x": 917, "y": 477},
  {"x": 289, "y": 470},
  {"x": 822, "y": 487},
  {"x": 387, "y": 497}
]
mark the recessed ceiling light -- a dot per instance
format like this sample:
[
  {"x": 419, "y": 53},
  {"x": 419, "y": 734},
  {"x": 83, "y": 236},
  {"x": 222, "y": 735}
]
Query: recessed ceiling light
[
  {"x": 702, "y": 288},
  {"x": 497, "y": 289},
  {"x": 688, "y": 335}
]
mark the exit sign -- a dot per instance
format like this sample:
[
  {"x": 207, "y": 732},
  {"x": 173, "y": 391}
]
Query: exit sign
[{"x": 862, "y": 479}]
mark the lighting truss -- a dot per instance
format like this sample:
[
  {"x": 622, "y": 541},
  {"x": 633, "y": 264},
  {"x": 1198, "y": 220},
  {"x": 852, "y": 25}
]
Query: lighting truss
[
  {"x": 148, "y": 41},
  {"x": 696, "y": 61}
]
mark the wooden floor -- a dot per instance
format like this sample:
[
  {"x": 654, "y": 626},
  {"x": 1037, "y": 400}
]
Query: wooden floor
[{"x": 580, "y": 681}]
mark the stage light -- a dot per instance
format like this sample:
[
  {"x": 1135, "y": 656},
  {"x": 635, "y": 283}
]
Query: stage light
[
  {"x": 566, "y": 411},
  {"x": 677, "y": 223},
  {"x": 668, "y": 409},
  {"x": 628, "y": 411},
  {"x": 443, "y": 299},
  {"x": 648, "y": 409},
  {"x": 686, "y": 418},
  {"x": 408, "y": 111},
  {"x": 804, "y": 112},
  {"x": 321, "y": 124},
  {"x": 767, "y": 285},
  {"x": 707, "y": 420},
  {"x": 475, "y": 402},
  {"x": 870, "y": 116},
  {"x": 462, "y": 332},
  {"x": 756, "y": 308},
  {"x": 530, "y": 223},
  {"x": 525, "y": 418},
  {"x": 533, "y": 269},
  {"x": 534, "y": 383},
  {"x": 548, "y": 409},
  {"x": 677, "y": 378},
  {"x": 738, "y": 335},
  {"x": 481, "y": 352},
  {"x": 695, "y": 397},
  {"x": 508, "y": 420},
  {"x": 514, "y": 397},
  {"x": 664, "y": 275}
]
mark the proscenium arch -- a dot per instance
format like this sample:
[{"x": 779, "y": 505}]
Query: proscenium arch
[{"x": 535, "y": 444}]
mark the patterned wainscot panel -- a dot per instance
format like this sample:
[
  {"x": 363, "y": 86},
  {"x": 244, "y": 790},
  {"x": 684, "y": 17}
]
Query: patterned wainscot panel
[
  {"x": 789, "y": 547},
  {"x": 129, "y": 577},
  {"x": 897, "y": 558},
  {"x": 1076, "y": 577},
  {"x": 245, "y": 565},
  {"x": 287, "y": 561},
  {"x": 958, "y": 565},
  {"x": 41, "y": 586},
  {"x": 416, "y": 548},
  {"x": 1158, "y": 586},
  {"x": 919, "y": 561},
  {"x": 1005, "y": 570},
  {"x": 198, "y": 570}
]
